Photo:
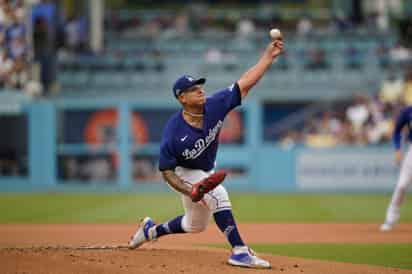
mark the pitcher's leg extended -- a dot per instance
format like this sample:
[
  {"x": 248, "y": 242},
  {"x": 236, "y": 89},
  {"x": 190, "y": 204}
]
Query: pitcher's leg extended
[
  {"x": 399, "y": 194},
  {"x": 242, "y": 255}
]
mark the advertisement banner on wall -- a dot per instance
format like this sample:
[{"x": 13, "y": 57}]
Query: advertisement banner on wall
[{"x": 367, "y": 169}]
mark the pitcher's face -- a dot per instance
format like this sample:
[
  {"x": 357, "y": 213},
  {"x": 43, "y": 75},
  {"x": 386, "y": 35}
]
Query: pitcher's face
[{"x": 193, "y": 96}]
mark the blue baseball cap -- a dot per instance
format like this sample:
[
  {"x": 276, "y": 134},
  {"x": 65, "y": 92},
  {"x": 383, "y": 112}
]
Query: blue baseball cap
[{"x": 185, "y": 82}]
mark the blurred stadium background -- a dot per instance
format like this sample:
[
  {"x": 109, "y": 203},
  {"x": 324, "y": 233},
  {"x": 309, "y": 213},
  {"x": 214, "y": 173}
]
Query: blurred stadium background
[{"x": 86, "y": 90}]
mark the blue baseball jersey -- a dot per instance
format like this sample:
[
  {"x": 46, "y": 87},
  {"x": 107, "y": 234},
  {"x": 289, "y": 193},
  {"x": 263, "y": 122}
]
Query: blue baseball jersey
[
  {"x": 404, "y": 119},
  {"x": 195, "y": 148}
]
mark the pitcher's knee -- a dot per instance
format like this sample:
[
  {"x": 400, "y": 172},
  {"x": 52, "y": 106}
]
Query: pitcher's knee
[
  {"x": 197, "y": 229},
  {"x": 190, "y": 227}
]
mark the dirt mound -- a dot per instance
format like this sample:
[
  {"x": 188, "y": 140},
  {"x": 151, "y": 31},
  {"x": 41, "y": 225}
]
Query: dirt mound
[{"x": 54, "y": 249}]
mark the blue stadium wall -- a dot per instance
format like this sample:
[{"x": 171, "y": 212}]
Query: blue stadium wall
[{"x": 259, "y": 166}]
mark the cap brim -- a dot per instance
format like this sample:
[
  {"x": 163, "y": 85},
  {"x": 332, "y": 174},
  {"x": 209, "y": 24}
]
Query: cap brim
[{"x": 200, "y": 81}]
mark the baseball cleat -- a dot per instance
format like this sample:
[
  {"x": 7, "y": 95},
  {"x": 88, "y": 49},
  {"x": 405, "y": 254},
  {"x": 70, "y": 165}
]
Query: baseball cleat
[
  {"x": 144, "y": 233},
  {"x": 391, "y": 219},
  {"x": 386, "y": 227},
  {"x": 243, "y": 256}
]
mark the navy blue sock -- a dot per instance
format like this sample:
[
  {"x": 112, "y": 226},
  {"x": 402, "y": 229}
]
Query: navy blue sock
[
  {"x": 226, "y": 223},
  {"x": 171, "y": 227}
]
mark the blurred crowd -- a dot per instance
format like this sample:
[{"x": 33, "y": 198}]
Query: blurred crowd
[
  {"x": 365, "y": 120},
  {"x": 136, "y": 39},
  {"x": 201, "y": 18},
  {"x": 13, "y": 45}
]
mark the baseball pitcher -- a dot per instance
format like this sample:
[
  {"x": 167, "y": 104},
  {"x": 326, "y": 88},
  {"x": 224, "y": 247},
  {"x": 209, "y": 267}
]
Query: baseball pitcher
[{"x": 187, "y": 160}]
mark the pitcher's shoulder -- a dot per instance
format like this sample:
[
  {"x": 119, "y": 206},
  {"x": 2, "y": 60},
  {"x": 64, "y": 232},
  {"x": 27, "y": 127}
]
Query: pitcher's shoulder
[{"x": 173, "y": 122}]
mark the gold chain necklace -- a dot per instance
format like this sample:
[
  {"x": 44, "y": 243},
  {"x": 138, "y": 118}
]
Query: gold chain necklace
[{"x": 193, "y": 114}]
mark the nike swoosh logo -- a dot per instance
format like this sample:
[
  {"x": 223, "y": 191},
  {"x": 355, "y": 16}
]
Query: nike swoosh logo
[{"x": 183, "y": 139}]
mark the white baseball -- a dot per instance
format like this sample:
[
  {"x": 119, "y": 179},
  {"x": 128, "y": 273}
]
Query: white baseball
[{"x": 275, "y": 34}]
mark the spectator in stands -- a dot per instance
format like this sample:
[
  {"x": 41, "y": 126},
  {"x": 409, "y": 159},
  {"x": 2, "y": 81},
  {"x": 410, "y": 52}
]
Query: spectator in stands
[
  {"x": 382, "y": 22},
  {"x": 378, "y": 127},
  {"x": 407, "y": 96},
  {"x": 325, "y": 132},
  {"x": 72, "y": 35},
  {"x": 19, "y": 10},
  {"x": 366, "y": 121},
  {"x": 6, "y": 65},
  {"x": 245, "y": 27},
  {"x": 376, "y": 108},
  {"x": 13, "y": 46},
  {"x": 304, "y": 26},
  {"x": 18, "y": 48},
  {"x": 378, "y": 133},
  {"x": 345, "y": 136},
  {"x": 340, "y": 23},
  {"x": 391, "y": 89},
  {"x": 2, "y": 36},
  {"x": 377, "y": 22},
  {"x": 15, "y": 29},
  {"x": 358, "y": 114},
  {"x": 181, "y": 24},
  {"x": 18, "y": 76},
  {"x": 290, "y": 139},
  {"x": 6, "y": 13},
  {"x": 41, "y": 42},
  {"x": 400, "y": 55},
  {"x": 213, "y": 56},
  {"x": 331, "y": 124}
]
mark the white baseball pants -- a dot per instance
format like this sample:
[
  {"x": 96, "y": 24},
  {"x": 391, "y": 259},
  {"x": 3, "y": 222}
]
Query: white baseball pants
[
  {"x": 197, "y": 215},
  {"x": 405, "y": 175},
  {"x": 404, "y": 181}
]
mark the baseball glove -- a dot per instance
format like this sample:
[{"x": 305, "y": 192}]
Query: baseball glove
[{"x": 206, "y": 185}]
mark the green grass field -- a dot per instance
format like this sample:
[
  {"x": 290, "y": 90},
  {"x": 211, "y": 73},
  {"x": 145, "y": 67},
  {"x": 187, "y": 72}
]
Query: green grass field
[{"x": 252, "y": 208}]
